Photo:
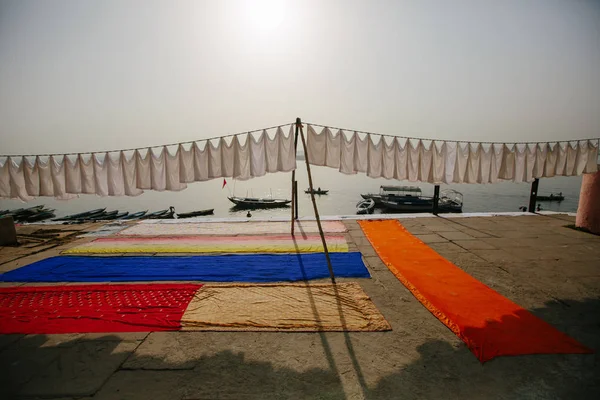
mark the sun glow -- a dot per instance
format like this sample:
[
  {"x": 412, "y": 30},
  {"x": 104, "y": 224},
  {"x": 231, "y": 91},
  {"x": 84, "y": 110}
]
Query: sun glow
[{"x": 265, "y": 14}]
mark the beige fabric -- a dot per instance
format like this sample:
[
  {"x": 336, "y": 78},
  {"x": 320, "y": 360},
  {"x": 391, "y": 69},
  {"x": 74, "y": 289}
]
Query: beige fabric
[{"x": 283, "y": 307}]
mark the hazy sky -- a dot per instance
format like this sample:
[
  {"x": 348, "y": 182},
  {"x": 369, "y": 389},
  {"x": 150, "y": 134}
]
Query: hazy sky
[{"x": 91, "y": 75}]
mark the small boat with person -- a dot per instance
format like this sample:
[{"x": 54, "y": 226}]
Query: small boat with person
[
  {"x": 318, "y": 191},
  {"x": 552, "y": 197},
  {"x": 198, "y": 213},
  {"x": 253, "y": 202}
]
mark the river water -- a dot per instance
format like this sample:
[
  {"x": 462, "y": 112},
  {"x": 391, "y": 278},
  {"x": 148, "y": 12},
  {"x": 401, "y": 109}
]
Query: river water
[{"x": 344, "y": 193}]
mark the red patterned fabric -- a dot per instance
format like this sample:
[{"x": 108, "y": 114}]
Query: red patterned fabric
[{"x": 94, "y": 308}]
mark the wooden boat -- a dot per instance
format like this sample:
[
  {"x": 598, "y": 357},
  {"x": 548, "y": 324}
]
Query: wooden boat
[
  {"x": 415, "y": 204},
  {"x": 163, "y": 214},
  {"x": 117, "y": 216},
  {"x": 37, "y": 213},
  {"x": 552, "y": 197},
  {"x": 22, "y": 213},
  {"x": 317, "y": 191},
  {"x": 253, "y": 203},
  {"x": 392, "y": 193},
  {"x": 80, "y": 215},
  {"x": 136, "y": 215},
  {"x": 366, "y": 206},
  {"x": 451, "y": 201},
  {"x": 196, "y": 213},
  {"x": 105, "y": 216},
  {"x": 41, "y": 216}
]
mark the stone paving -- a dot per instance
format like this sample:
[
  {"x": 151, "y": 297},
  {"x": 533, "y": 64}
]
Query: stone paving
[{"x": 536, "y": 261}]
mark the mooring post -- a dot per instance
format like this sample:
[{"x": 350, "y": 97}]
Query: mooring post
[
  {"x": 296, "y": 199},
  {"x": 533, "y": 195},
  {"x": 314, "y": 202},
  {"x": 436, "y": 199}
]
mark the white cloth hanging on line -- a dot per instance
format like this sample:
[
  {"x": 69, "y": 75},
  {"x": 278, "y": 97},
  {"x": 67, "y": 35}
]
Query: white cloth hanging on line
[
  {"x": 243, "y": 156},
  {"x": 446, "y": 161}
]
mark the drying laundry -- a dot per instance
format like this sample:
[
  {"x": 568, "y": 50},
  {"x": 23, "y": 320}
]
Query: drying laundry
[
  {"x": 117, "y": 173},
  {"x": 446, "y": 161}
]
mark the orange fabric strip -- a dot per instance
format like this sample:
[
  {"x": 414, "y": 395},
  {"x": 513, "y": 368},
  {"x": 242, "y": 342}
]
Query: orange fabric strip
[{"x": 489, "y": 323}]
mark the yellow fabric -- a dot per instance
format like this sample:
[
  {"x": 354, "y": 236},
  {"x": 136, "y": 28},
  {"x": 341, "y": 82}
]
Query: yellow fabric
[
  {"x": 90, "y": 248},
  {"x": 283, "y": 307}
]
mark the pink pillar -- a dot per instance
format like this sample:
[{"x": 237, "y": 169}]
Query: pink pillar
[{"x": 588, "y": 212}]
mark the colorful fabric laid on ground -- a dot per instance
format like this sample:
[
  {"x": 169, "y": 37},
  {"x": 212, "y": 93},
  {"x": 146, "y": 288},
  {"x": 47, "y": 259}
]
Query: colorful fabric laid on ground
[
  {"x": 94, "y": 308},
  {"x": 283, "y": 307},
  {"x": 222, "y": 268},
  {"x": 212, "y": 244},
  {"x": 490, "y": 324},
  {"x": 232, "y": 228},
  {"x": 192, "y": 307}
]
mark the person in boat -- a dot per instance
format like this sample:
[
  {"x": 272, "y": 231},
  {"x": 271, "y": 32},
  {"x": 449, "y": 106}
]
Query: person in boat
[
  {"x": 248, "y": 215},
  {"x": 539, "y": 208},
  {"x": 319, "y": 189}
]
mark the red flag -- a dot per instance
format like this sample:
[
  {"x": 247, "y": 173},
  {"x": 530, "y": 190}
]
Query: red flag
[{"x": 224, "y": 183}]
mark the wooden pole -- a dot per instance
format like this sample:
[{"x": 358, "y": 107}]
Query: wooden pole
[
  {"x": 293, "y": 192},
  {"x": 294, "y": 183},
  {"x": 312, "y": 197}
]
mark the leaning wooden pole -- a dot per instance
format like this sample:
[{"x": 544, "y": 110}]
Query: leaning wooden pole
[
  {"x": 294, "y": 186},
  {"x": 312, "y": 197}
]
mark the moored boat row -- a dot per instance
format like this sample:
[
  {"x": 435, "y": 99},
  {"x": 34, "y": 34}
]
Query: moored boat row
[
  {"x": 409, "y": 199},
  {"x": 31, "y": 214},
  {"x": 40, "y": 213}
]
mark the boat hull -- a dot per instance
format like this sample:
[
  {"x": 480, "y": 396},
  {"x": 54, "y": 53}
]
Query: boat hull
[
  {"x": 550, "y": 198},
  {"x": 407, "y": 207},
  {"x": 319, "y": 192},
  {"x": 196, "y": 213},
  {"x": 251, "y": 204}
]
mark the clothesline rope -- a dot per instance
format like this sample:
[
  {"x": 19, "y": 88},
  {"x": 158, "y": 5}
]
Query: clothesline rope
[
  {"x": 279, "y": 126},
  {"x": 146, "y": 147},
  {"x": 443, "y": 140}
]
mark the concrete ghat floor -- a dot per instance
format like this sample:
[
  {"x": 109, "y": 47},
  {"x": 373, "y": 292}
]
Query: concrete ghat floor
[{"x": 548, "y": 269}]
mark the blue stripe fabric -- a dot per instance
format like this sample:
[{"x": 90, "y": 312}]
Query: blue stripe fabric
[{"x": 221, "y": 268}]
